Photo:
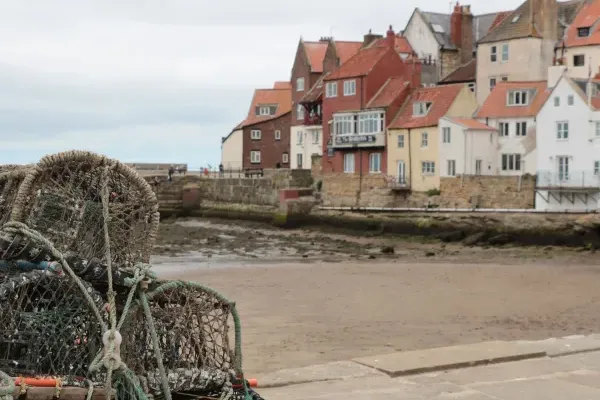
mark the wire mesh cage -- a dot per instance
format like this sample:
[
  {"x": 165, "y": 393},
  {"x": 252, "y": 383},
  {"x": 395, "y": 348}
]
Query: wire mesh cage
[
  {"x": 10, "y": 181},
  {"x": 62, "y": 199},
  {"x": 47, "y": 327},
  {"x": 192, "y": 326}
]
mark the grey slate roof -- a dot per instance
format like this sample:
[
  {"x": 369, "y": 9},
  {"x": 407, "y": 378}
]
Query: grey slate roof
[{"x": 481, "y": 25}]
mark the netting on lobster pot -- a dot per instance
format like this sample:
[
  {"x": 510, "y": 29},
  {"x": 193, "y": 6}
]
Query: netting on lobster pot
[
  {"x": 192, "y": 327},
  {"x": 49, "y": 326},
  {"x": 10, "y": 181},
  {"x": 63, "y": 198}
]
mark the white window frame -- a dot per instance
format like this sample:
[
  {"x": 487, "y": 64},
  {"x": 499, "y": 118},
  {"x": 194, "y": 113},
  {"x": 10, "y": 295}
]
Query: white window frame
[
  {"x": 564, "y": 174},
  {"x": 300, "y": 111},
  {"x": 518, "y": 98},
  {"x": 255, "y": 134},
  {"x": 371, "y": 122},
  {"x": 331, "y": 89},
  {"x": 505, "y": 52},
  {"x": 278, "y": 135},
  {"x": 570, "y": 100},
  {"x": 285, "y": 158},
  {"x": 350, "y": 87},
  {"x": 255, "y": 157},
  {"x": 299, "y": 160},
  {"x": 421, "y": 108},
  {"x": 316, "y": 137},
  {"x": 451, "y": 167},
  {"x": 400, "y": 141},
  {"x": 478, "y": 166},
  {"x": 493, "y": 54},
  {"x": 446, "y": 135},
  {"x": 344, "y": 124},
  {"x": 511, "y": 161},
  {"x": 264, "y": 110},
  {"x": 493, "y": 83},
  {"x": 596, "y": 168},
  {"x": 504, "y": 129},
  {"x": 300, "y": 85},
  {"x": 299, "y": 138},
  {"x": 349, "y": 159},
  {"x": 427, "y": 168},
  {"x": 521, "y": 128},
  {"x": 424, "y": 139},
  {"x": 597, "y": 130},
  {"x": 556, "y": 101},
  {"x": 375, "y": 163},
  {"x": 562, "y": 130}
]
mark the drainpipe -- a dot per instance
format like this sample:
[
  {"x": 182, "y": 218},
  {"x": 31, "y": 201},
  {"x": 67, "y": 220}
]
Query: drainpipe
[{"x": 409, "y": 161}]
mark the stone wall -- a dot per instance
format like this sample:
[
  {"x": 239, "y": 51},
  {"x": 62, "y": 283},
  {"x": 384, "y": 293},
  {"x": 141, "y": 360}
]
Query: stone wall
[
  {"x": 488, "y": 192},
  {"x": 348, "y": 190},
  {"x": 262, "y": 191}
]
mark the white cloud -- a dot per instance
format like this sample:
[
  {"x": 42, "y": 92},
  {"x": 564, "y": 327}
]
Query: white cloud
[{"x": 157, "y": 79}]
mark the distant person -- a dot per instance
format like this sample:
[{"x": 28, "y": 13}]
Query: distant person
[
  {"x": 171, "y": 173},
  {"x": 221, "y": 170}
]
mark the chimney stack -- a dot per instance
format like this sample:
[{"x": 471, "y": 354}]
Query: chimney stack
[
  {"x": 466, "y": 47},
  {"x": 456, "y": 25},
  {"x": 370, "y": 38},
  {"x": 390, "y": 38},
  {"x": 543, "y": 15}
]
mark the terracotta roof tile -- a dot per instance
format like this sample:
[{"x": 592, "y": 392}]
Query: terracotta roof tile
[
  {"x": 472, "y": 124},
  {"x": 315, "y": 92},
  {"x": 465, "y": 73},
  {"x": 346, "y": 50},
  {"x": 315, "y": 52},
  {"x": 586, "y": 18},
  {"x": 393, "y": 88},
  {"x": 441, "y": 98},
  {"x": 401, "y": 44},
  {"x": 360, "y": 64},
  {"x": 495, "y": 105},
  {"x": 506, "y": 29},
  {"x": 282, "y": 98},
  {"x": 499, "y": 18},
  {"x": 282, "y": 85}
]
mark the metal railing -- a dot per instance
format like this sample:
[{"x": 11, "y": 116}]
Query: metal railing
[
  {"x": 575, "y": 179},
  {"x": 396, "y": 182}
]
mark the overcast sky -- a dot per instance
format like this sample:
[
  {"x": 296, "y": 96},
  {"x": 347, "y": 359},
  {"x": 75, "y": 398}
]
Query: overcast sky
[{"x": 152, "y": 80}]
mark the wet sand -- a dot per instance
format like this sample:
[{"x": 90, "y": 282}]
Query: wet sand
[{"x": 346, "y": 299}]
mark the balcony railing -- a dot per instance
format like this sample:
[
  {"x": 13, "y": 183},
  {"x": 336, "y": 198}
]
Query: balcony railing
[
  {"x": 397, "y": 182},
  {"x": 573, "y": 180},
  {"x": 314, "y": 119}
]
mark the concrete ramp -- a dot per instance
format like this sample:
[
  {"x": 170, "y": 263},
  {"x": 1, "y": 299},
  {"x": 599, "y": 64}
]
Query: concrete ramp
[{"x": 444, "y": 358}]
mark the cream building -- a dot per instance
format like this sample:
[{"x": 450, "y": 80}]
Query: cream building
[
  {"x": 306, "y": 141},
  {"x": 232, "y": 149},
  {"x": 413, "y": 142},
  {"x": 521, "y": 47}
]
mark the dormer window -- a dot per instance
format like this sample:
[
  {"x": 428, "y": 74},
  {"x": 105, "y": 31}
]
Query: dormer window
[
  {"x": 421, "y": 108},
  {"x": 264, "y": 110},
  {"x": 518, "y": 98},
  {"x": 583, "y": 32}
]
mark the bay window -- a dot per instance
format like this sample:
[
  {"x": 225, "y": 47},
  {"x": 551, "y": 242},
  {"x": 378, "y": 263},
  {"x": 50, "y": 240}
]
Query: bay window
[{"x": 370, "y": 122}]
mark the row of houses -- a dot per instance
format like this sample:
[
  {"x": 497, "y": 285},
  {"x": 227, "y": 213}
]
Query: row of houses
[{"x": 509, "y": 93}]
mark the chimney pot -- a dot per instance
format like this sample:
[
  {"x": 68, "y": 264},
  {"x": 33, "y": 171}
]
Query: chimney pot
[{"x": 391, "y": 38}]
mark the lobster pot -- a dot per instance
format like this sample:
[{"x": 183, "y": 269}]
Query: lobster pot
[
  {"x": 10, "y": 181},
  {"x": 192, "y": 326},
  {"x": 47, "y": 327},
  {"x": 64, "y": 199}
]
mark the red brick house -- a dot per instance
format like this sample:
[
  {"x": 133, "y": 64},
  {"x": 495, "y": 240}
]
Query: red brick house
[
  {"x": 313, "y": 61},
  {"x": 360, "y": 99},
  {"x": 266, "y": 130}
]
